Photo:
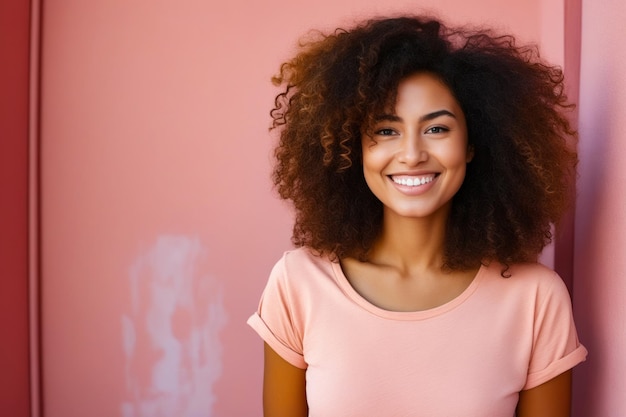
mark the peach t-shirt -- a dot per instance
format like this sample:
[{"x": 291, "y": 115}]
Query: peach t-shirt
[{"x": 469, "y": 357}]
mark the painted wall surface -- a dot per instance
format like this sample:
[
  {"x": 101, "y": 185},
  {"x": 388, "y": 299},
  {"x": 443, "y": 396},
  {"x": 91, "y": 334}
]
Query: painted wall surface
[
  {"x": 159, "y": 223},
  {"x": 14, "y": 107},
  {"x": 600, "y": 261}
]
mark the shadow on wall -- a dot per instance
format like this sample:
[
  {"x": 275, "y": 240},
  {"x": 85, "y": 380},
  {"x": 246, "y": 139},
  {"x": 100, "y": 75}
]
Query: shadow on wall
[{"x": 170, "y": 334}]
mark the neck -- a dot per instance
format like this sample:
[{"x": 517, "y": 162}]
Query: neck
[{"x": 410, "y": 243}]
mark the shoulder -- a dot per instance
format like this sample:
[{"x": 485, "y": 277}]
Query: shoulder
[
  {"x": 530, "y": 274},
  {"x": 533, "y": 283},
  {"x": 301, "y": 267},
  {"x": 302, "y": 260}
]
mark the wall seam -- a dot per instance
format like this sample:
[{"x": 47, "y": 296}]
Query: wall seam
[{"x": 34, "y": 208}]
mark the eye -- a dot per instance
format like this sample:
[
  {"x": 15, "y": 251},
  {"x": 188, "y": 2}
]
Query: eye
[
  {"x": 437, "y": 130},
  {"x": 385, "y": 132}
]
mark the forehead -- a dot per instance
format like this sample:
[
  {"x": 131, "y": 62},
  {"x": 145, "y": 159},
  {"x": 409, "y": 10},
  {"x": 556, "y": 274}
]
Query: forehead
[{"x": 424, "y": 90}]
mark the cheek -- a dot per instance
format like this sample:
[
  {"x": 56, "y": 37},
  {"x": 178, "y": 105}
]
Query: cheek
[
  {"x": 373, "y": 165},
  {"x": 379, "y": 154},
  {"x": 455, "y": 156},
  {"x": 369, "y": 171},
  {"x": 460, "y": 173},
  {"x": 372, "y": 160}
]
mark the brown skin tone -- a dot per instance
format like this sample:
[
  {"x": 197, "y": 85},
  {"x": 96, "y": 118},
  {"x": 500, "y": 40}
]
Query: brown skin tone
[
  {"x": 284, "y": 393},
  {"x": 551, "y": 399}
]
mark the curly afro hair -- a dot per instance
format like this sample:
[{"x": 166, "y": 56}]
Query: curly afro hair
[{"x": 517, "y": 184}]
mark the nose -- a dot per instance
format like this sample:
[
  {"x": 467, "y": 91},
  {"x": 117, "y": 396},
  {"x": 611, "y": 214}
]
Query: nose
[{"x": 412, "y": 150}]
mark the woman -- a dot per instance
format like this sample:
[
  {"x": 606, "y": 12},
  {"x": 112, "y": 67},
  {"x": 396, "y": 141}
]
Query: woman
[{"x": 426, "y": 166}]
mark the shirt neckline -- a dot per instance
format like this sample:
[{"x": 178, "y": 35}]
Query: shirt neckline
[{"x": 347, "y": 288}]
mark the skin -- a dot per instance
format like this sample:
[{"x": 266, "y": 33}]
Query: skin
[
  {"x": 551, "y": 399},
  {"x": 423, "y": 138},
  {"x": 284, "y": 393}
]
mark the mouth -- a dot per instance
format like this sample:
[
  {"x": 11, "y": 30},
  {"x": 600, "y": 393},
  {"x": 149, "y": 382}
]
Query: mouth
[{"x": 412, "y": 181}]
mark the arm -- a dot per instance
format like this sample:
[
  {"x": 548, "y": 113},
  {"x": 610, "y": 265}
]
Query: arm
[
  {"x": 551, "y": 399},
  {"x": 284, "y": 393}
]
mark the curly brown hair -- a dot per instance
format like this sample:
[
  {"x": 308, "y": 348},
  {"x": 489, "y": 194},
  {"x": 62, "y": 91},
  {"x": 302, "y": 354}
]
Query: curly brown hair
[{"x": 518, "y": 182}]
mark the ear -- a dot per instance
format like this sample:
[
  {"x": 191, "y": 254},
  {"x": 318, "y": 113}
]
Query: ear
[{"x": 470, "y": 154}]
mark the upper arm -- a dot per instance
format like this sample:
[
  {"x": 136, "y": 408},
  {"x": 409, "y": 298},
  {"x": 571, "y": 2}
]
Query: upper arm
[
  {"x": 551, "y": 399},
  {"x": 284, "y": 387}
]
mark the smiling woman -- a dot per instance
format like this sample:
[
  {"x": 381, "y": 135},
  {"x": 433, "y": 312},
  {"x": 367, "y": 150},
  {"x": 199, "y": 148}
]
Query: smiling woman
[
  {"x": 414, "y": 160},
  {"x": 426, "y": 165}
]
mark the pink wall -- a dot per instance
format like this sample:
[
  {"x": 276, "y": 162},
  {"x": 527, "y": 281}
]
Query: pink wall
[
  {"x": 600, "y": 261},
  {"x": 159, "y": 224}
]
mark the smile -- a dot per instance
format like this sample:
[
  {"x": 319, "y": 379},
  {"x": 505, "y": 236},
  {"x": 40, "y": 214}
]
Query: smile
[{"x": 413, "y": 181}]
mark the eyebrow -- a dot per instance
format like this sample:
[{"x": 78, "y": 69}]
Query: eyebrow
[{"x": 424, "y": 118}]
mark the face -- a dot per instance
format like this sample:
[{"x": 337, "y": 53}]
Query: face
[{"x": 415, "y": 159}]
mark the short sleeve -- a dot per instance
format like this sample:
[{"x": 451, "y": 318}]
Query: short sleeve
[
  {"x": 276, "y": 319},
  {"x": 556, "y": 348}
]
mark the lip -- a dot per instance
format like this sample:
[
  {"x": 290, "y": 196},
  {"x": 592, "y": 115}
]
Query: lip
[{"x": 422, "y": 187}]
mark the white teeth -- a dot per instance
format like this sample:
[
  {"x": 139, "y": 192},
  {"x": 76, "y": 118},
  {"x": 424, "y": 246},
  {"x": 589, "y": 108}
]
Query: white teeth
[{"x": 413, "y": 181}]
